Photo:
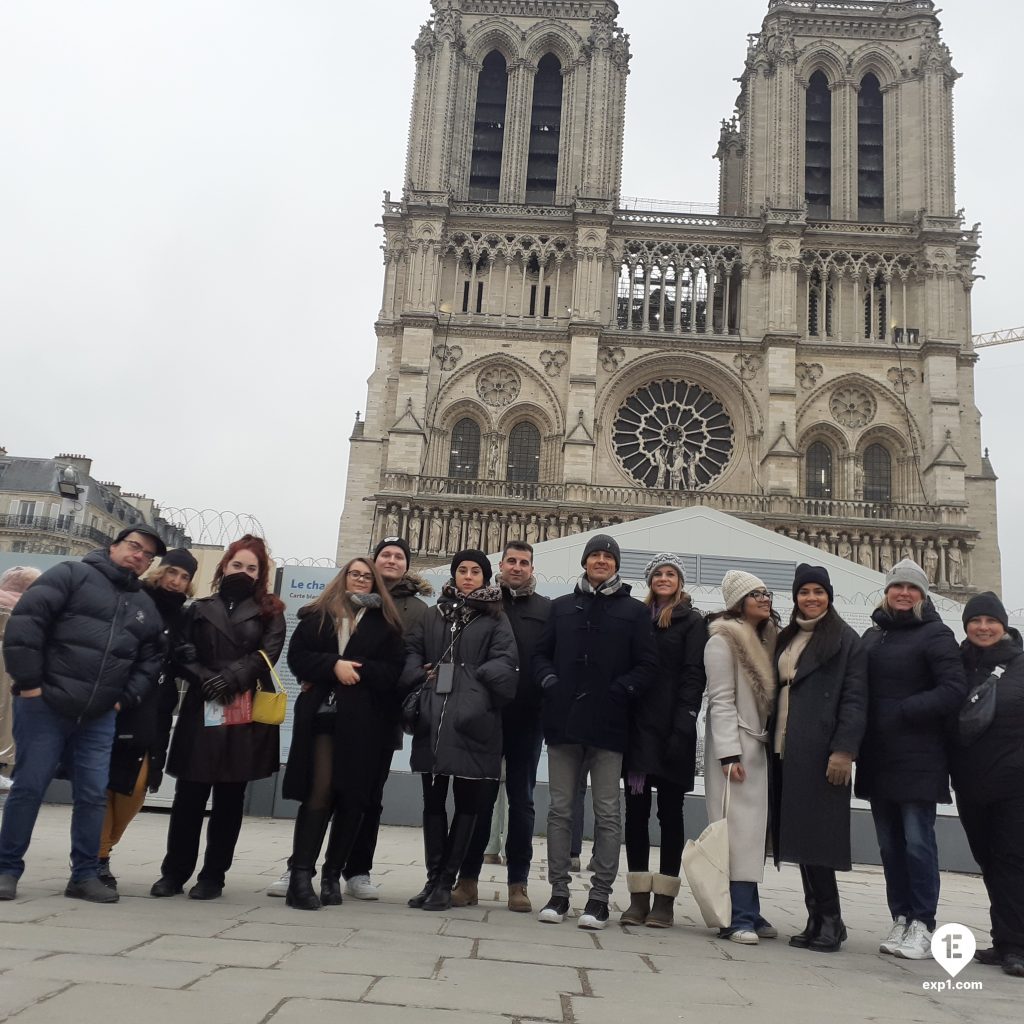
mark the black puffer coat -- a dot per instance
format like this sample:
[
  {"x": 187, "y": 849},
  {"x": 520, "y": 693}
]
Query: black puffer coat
[
  {"x": 366, "y": 712},
  {"x": 146, "y": 729},
  {"x": 228, "y": 643},
  {"x": 915, "y": 683},
  {"x": 597, "y": 654},
  {"x": 460, "y": 733},
  {"x": 663, "y": 720},
  {"x": 408, "y": 594},
  {"x": 828, "y": 702},
  {"x": 87, "y": 634},
  {"x": 992, "y": 768}
]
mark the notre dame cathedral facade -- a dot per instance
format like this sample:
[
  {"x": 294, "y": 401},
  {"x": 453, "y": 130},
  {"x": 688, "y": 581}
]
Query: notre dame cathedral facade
[{"x": 549, "y": 361}]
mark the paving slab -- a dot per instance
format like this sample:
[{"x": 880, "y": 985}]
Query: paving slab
[{"x": 249, "y": 958}]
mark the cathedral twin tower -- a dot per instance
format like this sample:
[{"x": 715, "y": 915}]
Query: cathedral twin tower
[{"x": 549, "y": 362}]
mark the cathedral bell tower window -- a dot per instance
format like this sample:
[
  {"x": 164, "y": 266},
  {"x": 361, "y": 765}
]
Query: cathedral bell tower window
[
  {"x": 870, "y": 157},
  {"x": 818, "y": 471},
  {"x": 524, "y": 453},
  {"x": 877, "y": 474},
  {"x": 818, "y": 148},
  {"x": 489, "y": 129},
  {"x": 545, "y": 130},
  {"x": 464, "y": 457}
]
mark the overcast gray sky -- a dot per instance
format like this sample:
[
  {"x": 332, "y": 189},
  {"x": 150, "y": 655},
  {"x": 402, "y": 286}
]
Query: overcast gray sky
[{"x": 189, "y": 269}]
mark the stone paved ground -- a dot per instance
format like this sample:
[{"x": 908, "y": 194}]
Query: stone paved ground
[{"x": 248, "y": 958}]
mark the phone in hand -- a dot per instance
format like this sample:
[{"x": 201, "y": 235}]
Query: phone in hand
[{"x": 445, "y": 678}]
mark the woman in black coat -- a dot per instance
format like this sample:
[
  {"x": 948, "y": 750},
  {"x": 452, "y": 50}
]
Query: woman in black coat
[
  {"x": 235, "y": 633},
  {"x": 988, "y": 776},
  {"x": 347, "y": 652},
  {"x": 818, "y": 725},
  {"x": 915, "y": 683},
  {"x": 463, "y": 654},
  {"x": 141, "y": 733},
  {"x": 661, "y": 752}
]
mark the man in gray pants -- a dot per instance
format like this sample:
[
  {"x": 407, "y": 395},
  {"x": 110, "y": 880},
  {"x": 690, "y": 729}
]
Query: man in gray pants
[{"x": 596, "y": 655}]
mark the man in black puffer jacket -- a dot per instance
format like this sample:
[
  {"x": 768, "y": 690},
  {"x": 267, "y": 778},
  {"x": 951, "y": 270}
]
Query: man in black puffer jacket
[
  {"x": 597, "y": 654},
  {"x": 83, "y": 642}
]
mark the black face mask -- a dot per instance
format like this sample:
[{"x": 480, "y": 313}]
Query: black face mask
[
  {"x": 236, "y": 587},
  {"x": 167, "y": 601}
]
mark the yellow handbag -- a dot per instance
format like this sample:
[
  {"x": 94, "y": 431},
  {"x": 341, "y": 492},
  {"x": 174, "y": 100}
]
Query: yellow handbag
[{"x": 269, "y": 706}]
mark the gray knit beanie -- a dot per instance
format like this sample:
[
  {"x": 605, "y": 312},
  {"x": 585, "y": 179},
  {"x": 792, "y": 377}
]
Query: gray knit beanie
[
  {"x": 663, "y": 559},
  {"x": 909, "y": 572}
]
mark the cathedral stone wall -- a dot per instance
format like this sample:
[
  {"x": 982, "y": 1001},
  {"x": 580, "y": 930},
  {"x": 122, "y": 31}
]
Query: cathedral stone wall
[{"x": 549, "y": 363}]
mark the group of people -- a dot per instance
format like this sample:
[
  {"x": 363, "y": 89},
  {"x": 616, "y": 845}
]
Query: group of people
[{"x": 612, "y": 684}]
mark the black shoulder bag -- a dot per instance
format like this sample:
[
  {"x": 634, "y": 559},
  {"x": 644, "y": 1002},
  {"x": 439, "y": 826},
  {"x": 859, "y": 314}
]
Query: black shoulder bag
[{"x": 979, "y": 710}]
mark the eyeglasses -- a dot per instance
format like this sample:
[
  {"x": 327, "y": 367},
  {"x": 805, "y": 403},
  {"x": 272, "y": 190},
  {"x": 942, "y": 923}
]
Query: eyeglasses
[
  {"x": 761, "y": 595},
  {"x": 362, "y": 577},
  {"x": 137, "y": 549}
]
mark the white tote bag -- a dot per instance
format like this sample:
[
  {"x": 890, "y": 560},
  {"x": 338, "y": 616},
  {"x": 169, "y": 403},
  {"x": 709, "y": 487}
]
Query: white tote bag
[{"x": 706, "y": 866}]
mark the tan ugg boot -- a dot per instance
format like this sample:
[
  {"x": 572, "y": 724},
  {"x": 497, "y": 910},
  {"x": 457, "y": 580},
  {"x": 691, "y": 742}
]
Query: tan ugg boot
[
  {"x": 518, "y": 900},
  {"x": 639, "y": 885},
  {"x": 465, "y": 893},
  {"x": 666, "y": 889}
]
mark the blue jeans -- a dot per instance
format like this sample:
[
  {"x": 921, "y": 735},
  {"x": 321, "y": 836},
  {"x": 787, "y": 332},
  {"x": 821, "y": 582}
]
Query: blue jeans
[
  {"x": 44, "y": 740},
  {"x": 522, "y": 740},
  {"x": 910, "y": 858},
  {"x": 746, "y": 908}
]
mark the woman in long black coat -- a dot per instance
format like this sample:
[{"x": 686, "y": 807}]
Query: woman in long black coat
[
  {"x": 661, "y": 753},
  {"x": 464, "y": 656},
  {"x": 915, "y": 683},
  {"x": 988, "y": 776},
  {"x": 235, "y": 633},
  {"x": 141, "y": 734},
  {"x": 818, "y": 725},
  {"x": 347, "y": 653}
]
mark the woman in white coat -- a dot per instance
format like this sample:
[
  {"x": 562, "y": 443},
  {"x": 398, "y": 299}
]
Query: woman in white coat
[{"x": 741, "y": 691}]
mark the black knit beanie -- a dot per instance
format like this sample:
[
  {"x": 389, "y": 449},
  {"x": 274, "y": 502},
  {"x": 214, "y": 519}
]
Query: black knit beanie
[
  {"x": 986, "y": 604},
  {"x": 393, "y": 542},
  {"x": 181, "y": 559},
  {"x": 602, "y": 542},
  {"x": 812, "y": 574},
  {"x": 473, "y": 555}
]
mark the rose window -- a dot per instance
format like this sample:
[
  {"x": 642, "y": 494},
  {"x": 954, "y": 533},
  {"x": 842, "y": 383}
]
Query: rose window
[
  {"x": 498, "y": 386},
  {"x": 852, "y": 407},
  {"x": 674, "y": 435}
]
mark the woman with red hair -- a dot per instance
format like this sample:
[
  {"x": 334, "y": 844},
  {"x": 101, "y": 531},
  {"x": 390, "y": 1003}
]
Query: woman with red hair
[{"x": 216, "y": 746}]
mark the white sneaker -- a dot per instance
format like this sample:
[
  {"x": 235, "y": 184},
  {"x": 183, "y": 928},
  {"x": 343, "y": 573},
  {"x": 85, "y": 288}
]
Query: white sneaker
[
  {"x": 916, "y": 944},
  {"x": 280, "y": 887},
  {"x": 5, "y": 783},
  {"x": 892, "y": 941},
  {"x": 744, "y": 935},
  {"x": 362, "y": 888}
]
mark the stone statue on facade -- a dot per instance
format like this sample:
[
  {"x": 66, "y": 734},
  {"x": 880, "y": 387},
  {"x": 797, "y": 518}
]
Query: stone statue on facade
[
  {"x": 553, "y": 531},
  {"x": 493, "y": 533},
  {"x": 434, "y": 537},
  {"x": 573, "y": 526},
  {"x": 845, "y": 548},
  {"x": 955, "y": 565},
  {"x": 885, "y": 556},
  {"x": 391, "y": 527},
  {"x": 454, "y": 533},
  {"x": 532, "y": 530},
  {"x": 514, "y": 529},
  {"x": 492, "y": 460},
  {"x": 930, "y": 563},
  {"x": 414, "y": 531},
  {"x": 473, "y": 531},
  {"x": 823, "y": 542},
  {"x": 866, "y": 554}
]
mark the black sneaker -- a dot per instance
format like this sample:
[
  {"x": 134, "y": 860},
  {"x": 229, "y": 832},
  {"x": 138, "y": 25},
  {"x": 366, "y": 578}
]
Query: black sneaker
[
  {"x": 991, "y": 957},
  {"x": 1013, "y": 964},
  {"x": 554, "y": 910},
  {"x": 205, "y": 890},
  {"x": 91, "y": 889},
  {"x": 164, "y": 887},
  {"x": 594, "y": 916},
  {"x": 104, "y": 874}
]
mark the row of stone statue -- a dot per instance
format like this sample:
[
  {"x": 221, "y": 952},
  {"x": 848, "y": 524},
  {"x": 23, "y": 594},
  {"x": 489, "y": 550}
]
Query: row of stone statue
[
  {"x": 438, "y": 532},
  {"x": 945, "y": 560}
]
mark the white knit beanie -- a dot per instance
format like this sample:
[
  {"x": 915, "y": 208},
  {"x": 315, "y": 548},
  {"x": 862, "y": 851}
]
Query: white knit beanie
[{"x": 737, "y": 584}]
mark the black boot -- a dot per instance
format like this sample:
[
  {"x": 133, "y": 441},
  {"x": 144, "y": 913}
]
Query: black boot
[
  {"x": 344, "y": 830},
  {"x": 832, "y": 932},
  {"x": 803, "y": 939},
  {"x": 459, "y": 837},
  {"x": 310, "y": 827},
  {"x": 435, "y": 835}
]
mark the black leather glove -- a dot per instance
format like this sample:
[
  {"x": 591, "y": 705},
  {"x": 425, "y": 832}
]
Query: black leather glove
[
  {"x": 185, "y": 653},
  {"x": 216, "y": 689}
]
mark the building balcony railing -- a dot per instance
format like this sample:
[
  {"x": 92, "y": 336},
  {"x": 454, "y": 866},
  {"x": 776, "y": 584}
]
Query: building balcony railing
[
  {"x": 60, "y": 526},
  {"x": 623, "y": 498}
]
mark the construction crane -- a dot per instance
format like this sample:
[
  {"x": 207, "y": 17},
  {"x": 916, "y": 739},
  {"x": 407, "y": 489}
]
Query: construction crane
[{"x": 998, "y": 337}]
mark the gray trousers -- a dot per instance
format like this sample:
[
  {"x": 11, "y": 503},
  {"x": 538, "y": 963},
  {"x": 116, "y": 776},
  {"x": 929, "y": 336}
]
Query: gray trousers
[{"x": 567, "y": 762}]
